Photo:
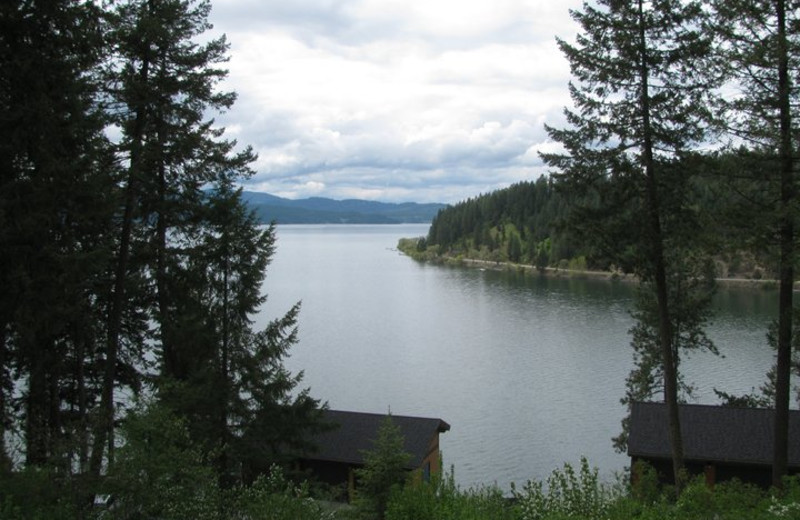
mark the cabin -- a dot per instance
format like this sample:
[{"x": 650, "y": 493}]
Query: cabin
[
  {"x": 341, "y": 450},
  {"x": 719, "y": 442}
]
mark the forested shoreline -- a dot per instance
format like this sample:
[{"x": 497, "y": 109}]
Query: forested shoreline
[{"x": 527, "y": 225}]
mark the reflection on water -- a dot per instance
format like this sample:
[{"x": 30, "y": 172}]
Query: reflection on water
[{"x": 528, "y": 370}]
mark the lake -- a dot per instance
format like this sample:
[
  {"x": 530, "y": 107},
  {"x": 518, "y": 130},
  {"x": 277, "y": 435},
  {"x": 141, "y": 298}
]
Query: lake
[{"x": 527, "y": 370}]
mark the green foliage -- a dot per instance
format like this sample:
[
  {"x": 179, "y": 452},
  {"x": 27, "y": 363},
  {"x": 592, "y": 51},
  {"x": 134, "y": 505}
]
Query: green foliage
[
  {"x": 517, "y": 224},
  {"x": 641, "y": 103},
  {"x": 571, "y": 494},
  {"x": 160, "y": 472},
  {"x": 645, "y": 487},
  {"x": 274, "y": 497},
  {"x": 441, "y": 499},
  {"x": 384, "y": 469},
  {"x": 578, "y": 264},
  {"x": 759, "y": 43},
  {"x": 690, "y": 289},
  {"x": 565, "y": 494},
  {"x": 38, "y": 493}
]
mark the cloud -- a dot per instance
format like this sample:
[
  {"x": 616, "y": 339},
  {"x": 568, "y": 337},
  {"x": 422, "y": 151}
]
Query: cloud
[{"x": 422, "y": 100}]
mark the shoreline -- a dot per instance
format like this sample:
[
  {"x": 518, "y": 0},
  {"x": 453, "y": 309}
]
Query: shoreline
[{"x": 557, "y": 272}]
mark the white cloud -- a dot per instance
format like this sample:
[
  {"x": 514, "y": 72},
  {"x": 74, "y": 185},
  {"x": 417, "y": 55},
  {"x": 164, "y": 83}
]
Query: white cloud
[{"x": 432, "y": 100}]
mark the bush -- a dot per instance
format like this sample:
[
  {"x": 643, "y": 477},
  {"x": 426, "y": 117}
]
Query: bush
[
  {"x": 441, "y": 499},
  {"x": 38, "y": 493},
  {"x": 160, "y": 472},
  {"x": 578, "y": 264},
  {"x": 274, "y": 497},
  {"x": 646, "y": 487},
  {"x": 566, "y": 495}
]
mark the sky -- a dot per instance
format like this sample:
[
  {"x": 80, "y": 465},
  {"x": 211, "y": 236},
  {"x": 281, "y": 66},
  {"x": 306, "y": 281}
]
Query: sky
[{"x": 394, "y": 100}]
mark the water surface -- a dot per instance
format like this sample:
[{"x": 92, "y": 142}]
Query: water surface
[{"x": 527, "y": 370}]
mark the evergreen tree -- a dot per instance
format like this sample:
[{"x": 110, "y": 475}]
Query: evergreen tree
[
  {"x": 384, "y": 468},
  {"x": 691, "y": 287},
  {"x": 639, "y": 108},
  {"x": 56, "y": 197},
  {"x": 133, "y": 262},
  {"x": 164, "y": 84},
  {"x": 237, "y": 395},
  {"x": 760, "y": 41},
  {"x": 186, "y": 230}
]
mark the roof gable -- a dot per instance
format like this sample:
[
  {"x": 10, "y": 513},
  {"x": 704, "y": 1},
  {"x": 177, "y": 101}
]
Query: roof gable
[
  {"x": 711, "y": 433},
  {"x": 357, "y": 432}
]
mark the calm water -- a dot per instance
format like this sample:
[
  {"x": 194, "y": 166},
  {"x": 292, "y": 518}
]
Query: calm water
[{"x": 528, "y": 371}]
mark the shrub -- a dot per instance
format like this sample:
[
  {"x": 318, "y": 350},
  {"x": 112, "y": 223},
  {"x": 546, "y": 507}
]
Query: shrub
[
  {"x": 566, "y": 495},
  {"x": 37, "y": 493},
  {"x": 274, "y": 497},
  {"x": 441, "y": 499},
  {"x": 645, "y": 487},
  {"x": 160, "y": 472},
  {"x": 578, "y": 264}
]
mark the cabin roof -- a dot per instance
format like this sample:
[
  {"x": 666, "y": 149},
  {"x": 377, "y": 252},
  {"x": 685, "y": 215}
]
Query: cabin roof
[
  {"x": 357, "y": 431},
  {"x": 711, "y": 433}
]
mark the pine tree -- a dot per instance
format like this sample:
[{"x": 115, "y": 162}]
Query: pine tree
[
  {"x": 163, "y": 85},
  {"x": 56, "y": 198},
  {"x": 691, "y": 287},
  {"x": 189, "y": 255},
  {"x": 760, "y": 41},
  {"x": 640, "y": 105},
  {"x": 239, "y": 398},
  {"x": 384, "y": 468}
]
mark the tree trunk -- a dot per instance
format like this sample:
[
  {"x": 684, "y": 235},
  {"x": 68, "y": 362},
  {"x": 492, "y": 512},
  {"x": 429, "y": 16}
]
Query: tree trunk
[
  {"x": 172, "y": 363},
  {"x": 659, "y": 268},
  {"x": 104, "y": 431},
  {"x": 5, "y": 460},
  {"x": 36, "y": 427},
  {"x": 785, "y": 303},
  {"x": 225, "y": 361},
  {"x": 83, "y": 347}
]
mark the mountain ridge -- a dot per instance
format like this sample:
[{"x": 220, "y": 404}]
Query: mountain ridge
[{"x": 321, "y": 210}]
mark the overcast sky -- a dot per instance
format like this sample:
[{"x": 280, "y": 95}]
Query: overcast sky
[{"x": 394, "y": 100}]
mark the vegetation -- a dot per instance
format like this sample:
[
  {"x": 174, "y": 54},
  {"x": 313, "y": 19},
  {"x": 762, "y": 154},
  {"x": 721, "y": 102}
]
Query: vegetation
[
  {"x": 579, "y": 494},
  {"x": 131, "y": 270},
  {"x": 383, "y": 472},
  {"x": 181, "y": 486},
  {"x": 759, "y": 42},
  {"x": 518, "y": 224},
  {"x": 528, "y": 224}
]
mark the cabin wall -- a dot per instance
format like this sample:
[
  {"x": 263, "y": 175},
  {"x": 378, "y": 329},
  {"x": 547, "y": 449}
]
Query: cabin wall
[{"x": 431, "y": 464}]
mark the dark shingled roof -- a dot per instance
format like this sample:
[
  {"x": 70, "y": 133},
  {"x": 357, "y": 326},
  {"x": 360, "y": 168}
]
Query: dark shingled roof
[
  {"x": 357, "y": 432},
  {"x": 711, "y": 433}
]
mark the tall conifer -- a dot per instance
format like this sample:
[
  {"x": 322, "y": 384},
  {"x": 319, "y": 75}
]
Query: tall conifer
[
  {"x": 55, "y": 205},
  {"x": 164, "y": 83},
  {"x": 185, "y": 228},
  {"x": 760, "y": 41},
  {"x": 639, "y": 107}
]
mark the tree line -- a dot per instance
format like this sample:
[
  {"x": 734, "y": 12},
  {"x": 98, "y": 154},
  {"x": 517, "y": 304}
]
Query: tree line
[
  {"x": 131, "y": 268},
  {"x": 517, "y": 224},
  {"x": 680, "y": 145}
]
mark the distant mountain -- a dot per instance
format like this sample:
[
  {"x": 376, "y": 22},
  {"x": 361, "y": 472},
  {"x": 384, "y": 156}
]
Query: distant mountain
[{"x": 318, "y": 210}]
